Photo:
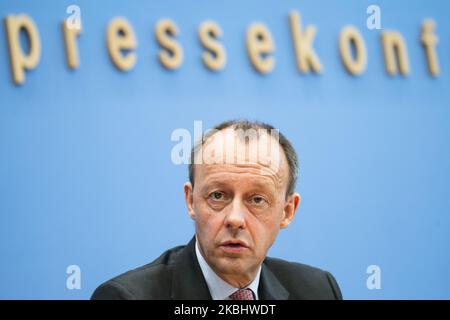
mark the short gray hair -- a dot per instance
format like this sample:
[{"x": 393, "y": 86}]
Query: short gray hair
[{"x": 245, "y": 125}]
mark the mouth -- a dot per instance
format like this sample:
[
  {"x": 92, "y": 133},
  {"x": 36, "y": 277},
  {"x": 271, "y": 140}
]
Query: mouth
[{"x": 234, "y": 246}]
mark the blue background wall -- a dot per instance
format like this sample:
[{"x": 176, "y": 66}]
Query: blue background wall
[{"x": 86, "y": 176}]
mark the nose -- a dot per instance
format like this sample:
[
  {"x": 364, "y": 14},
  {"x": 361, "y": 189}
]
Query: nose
[{"x": 235, "y": 218}]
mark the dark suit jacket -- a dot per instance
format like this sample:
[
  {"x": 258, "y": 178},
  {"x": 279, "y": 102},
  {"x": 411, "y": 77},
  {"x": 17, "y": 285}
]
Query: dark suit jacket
[{"x": 176, "y": 274}]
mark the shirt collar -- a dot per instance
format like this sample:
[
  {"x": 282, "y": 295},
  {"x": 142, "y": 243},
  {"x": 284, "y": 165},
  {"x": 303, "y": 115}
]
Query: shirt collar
[{"x": 218, "y": 288}]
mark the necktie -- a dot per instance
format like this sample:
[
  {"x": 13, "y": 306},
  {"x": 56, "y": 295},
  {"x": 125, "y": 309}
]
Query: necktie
[{"x": 242, "y": 294}]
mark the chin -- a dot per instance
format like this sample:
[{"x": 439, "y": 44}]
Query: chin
[{"x": 228, "y": 265}]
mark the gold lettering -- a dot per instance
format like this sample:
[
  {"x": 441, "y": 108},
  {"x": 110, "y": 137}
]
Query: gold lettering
[
  {"x": 120, "y": 36},
  {"x": 350, "y": 35},
  {"x": 260, "y": 46},
  {"x": 214, "y": 59},
  {"x": 70, "y": 43},
  {"x": 429, "y": 41},
  {"x": 307, "y": 59},
  {"x": 394, "y": 49},
  {"x": 172, "y": 57},
  {"x": 21, "y": 61}
]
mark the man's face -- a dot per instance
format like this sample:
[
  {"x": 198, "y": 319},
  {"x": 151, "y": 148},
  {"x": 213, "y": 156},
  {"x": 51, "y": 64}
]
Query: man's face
[{"x": 239, "y": 208}]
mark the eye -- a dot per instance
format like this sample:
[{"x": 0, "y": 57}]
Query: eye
[
  {"x": 258, "y": 199},
  {"x": 216, "y": 195}
]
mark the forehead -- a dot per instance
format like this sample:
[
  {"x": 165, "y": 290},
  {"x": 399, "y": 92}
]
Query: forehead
[{"x": 237, "y": 154}]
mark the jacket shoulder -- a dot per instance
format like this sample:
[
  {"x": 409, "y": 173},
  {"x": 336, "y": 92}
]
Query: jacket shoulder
[
  {"x": 304, "y": 281},
  {"x": 151, "y": 281}
]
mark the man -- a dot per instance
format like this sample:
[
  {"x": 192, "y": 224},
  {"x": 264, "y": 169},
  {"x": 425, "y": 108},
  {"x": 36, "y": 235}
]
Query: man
[{"x": 240, "y": 194}]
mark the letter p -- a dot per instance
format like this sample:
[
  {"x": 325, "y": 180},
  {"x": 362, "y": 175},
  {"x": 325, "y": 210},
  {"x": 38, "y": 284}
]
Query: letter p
[{"x": 21, "y": 61}]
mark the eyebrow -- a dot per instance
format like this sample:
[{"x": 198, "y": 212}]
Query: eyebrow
[
  {"x": 220, "y": 184},
  {"x": 214, "y": 183}
]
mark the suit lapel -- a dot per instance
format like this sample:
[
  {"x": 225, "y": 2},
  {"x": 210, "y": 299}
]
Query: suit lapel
[
  {"x": 188, "y": 282},
  {"x": 269, "y": 286}
]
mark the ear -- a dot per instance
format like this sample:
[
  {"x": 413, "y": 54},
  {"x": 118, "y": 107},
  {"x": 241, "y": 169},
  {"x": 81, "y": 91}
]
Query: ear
[
  {"x": 290, "y": 207},
  {"x": 189, "y": 198}
]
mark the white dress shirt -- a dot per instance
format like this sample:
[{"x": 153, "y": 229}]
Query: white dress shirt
[{"x": 218, "y": 288}]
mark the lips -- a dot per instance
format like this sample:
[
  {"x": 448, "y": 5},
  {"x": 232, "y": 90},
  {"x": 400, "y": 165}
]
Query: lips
[{"x": 234, "y": 246}]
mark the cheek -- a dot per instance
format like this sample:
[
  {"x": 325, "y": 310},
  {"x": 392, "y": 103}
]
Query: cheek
[
  {"x": 265, "y": 229},
  {"x": 208, "y": 224}
]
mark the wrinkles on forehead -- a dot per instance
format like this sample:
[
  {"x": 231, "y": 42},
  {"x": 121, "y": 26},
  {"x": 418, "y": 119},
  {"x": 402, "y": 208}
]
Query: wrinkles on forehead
[
  {"x": 254, "y": 172},
  {"x": 230, "y": 146},
  {"x": 256, "y": 158}
]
